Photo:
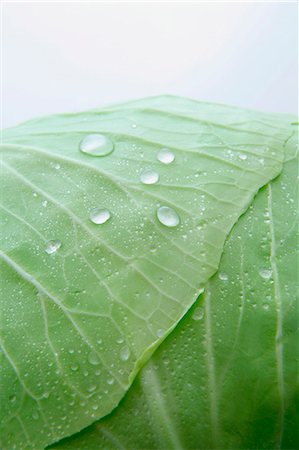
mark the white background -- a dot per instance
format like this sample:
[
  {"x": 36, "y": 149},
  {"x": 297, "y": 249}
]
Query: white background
[{"x": 73, "y": 56}]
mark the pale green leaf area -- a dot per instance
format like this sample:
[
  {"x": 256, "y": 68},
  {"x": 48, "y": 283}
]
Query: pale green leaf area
[
  {"x": 227, "y": 376},
  {"x": 85, "y": 302}
]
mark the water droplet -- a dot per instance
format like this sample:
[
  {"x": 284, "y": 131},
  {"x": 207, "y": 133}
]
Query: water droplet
[
  {"x": 223, "y": 276},
  {"x": 35, "y": 415},
  {"x": 265, "y": 273},
  {"x": 242, "y": 156},
  {"x": 12, "y": 398},
  {"x": 110, "y": 381},
  {"x": 165, "y": 156},
  {"x": 52, "y": 246},
  {"x": 92, "y": 388},
  {"x": 125, "y": 353},
  {"x": 160, "y": 332},
  {"x": 74, "y": 367},
  {"x": 96, "y": 145},
  {"x": 198, "y": 313},
  {"x": 93, "y": 358},
  {"x": 44, "y": 203},
  {"x": 167, "y": 216},
  {"x": 149, "y": 177},
  {"x": 99, "y": 216}
]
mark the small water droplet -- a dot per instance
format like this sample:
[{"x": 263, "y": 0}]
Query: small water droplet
[
  {"x": 265, "y": 273},
  {"x": 93, "y": 358},
  {"x": 74, "y": 367},
  {"x": 165, "y": 156},
  {"x": 125, "y": 353},
  {"x": 198, "y": 313},
  {"x": 96, "y": 145},
  {"x": 223, "y": 276},
  {"x": 12, "y": 398},
  {"x": 110, "y": 381},
  {"x": 99, "y": 216},
  {"x": 52, "y": 246},
  {"x": 91, "y": 388},
  {"x": 44, "y": 203},
  {"x": 35, "y": 415},
  {"x": 167, "y": 216},
  {"x": 149, "y": 177},
  {"x": 242, "y": 157},
  {"x": 160, "y": 332}
]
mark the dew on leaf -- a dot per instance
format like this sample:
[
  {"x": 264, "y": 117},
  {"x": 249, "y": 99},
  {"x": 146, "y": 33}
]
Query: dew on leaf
[
  {"x": 198, "y": 313},
  {"x": 242, "y": 157},
  {"x": 165, "y": 156},
  {"x": 99, "y": 215},
  {"x": 125, "y": 353},
  {"x": 265, "y": 273},
  {"x": 52, "y": 246},
  {"x": 167, "y": 216},
  {"x": 96, "y": 145},
  {"x": 160, "y": 333},
  {"x": 35, "y": 415},
  {"x": 93, "y": 358},
  {"x": 92, "y": 388},
  {"x": 149, "y": 177},
  {"x": 12, "y": 398},
  {"x": 223, "y": 276}
]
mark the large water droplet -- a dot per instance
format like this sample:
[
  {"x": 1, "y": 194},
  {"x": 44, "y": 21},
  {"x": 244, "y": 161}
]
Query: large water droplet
[
  {"x": 99, "y": 216},
  {"x": 167, "y": 216},
  {"x": 125, "y": 353},
  {"x": 149, "y": 177},
  {"x": 242, "y": 157},
  {"x": 165, "y": 156},
  {"x": 96, "y": 145},
  {"x": 52, "y": 246},
  {"x": 266, "y": 273}
]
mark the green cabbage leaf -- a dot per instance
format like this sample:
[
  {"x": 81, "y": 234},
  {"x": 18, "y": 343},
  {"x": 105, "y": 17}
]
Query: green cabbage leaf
[{"x": 106, "y": 254}]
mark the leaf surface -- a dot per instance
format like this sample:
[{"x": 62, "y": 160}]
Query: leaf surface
[
  {"x": 79, "y": 321},
  {"x": 227, "y": 376}
]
